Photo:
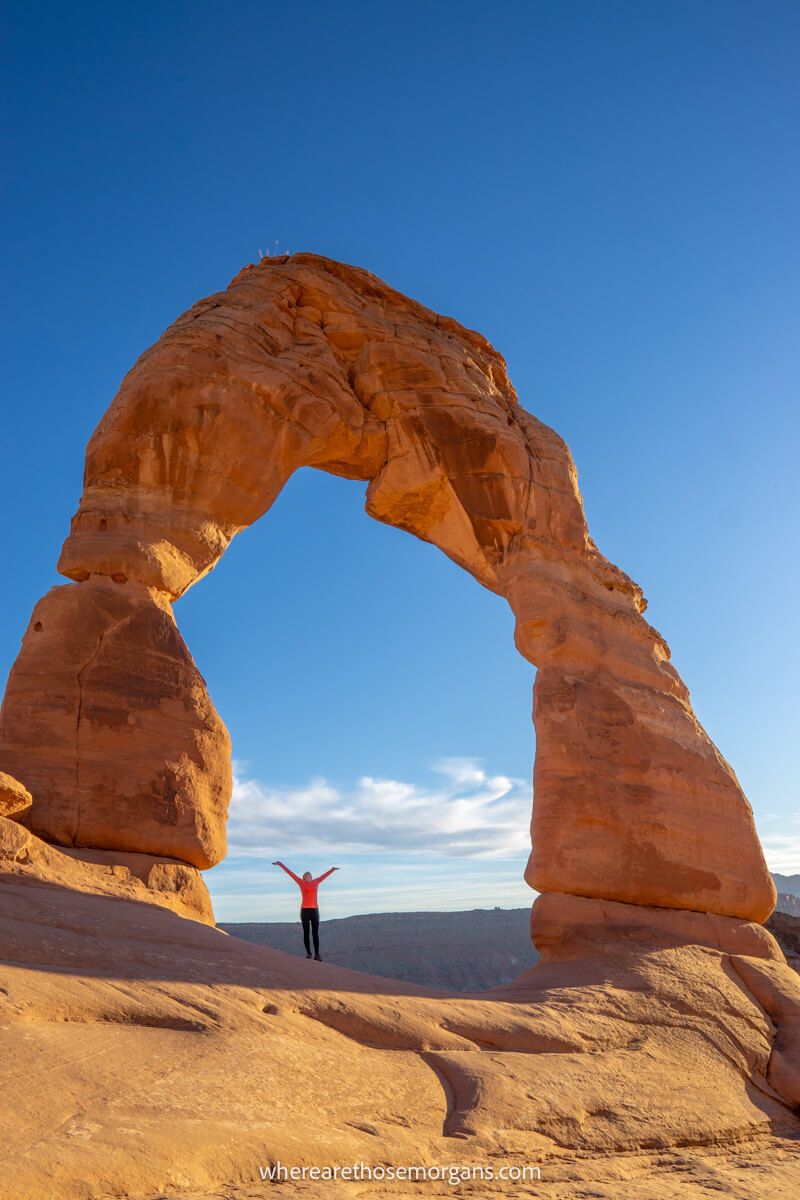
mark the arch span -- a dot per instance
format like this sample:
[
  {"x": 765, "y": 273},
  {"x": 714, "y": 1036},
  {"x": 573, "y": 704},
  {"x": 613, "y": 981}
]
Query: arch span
[{"x": 303, "y": 361}]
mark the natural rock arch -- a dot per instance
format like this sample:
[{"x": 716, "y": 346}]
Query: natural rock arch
[{"x": 303, "y": 361}]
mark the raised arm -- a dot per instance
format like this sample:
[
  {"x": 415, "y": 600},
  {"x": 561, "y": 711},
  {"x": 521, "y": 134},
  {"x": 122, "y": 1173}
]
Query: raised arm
[
  {"x": 320, "y": 878},
  {"x": 284, "y": 867}
]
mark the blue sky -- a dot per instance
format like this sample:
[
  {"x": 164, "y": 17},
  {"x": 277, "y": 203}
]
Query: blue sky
[{"x": 609, "y": 191}]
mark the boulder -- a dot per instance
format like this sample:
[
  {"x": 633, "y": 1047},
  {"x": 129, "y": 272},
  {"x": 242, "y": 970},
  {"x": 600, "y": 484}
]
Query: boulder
[{"x": 13, "y": 796}]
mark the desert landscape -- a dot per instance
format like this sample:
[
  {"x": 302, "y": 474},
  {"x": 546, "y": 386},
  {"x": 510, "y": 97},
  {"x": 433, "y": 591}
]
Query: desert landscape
[
  {"x": 473, "y": 950},
  {"x": 652, "y": 1051}
]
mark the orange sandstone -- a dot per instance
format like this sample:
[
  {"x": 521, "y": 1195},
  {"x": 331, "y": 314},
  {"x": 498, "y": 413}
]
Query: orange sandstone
[{"x": 14, "y": 798}]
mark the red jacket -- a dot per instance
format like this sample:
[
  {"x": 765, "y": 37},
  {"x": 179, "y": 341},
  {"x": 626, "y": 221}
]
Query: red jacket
[{"x": 308, "y": 887}]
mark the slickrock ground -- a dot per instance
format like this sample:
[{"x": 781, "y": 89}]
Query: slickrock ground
[{"x": 150, "y": 1055}]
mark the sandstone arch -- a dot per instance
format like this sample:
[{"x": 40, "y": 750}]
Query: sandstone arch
[{"x": 306, "y": 362}]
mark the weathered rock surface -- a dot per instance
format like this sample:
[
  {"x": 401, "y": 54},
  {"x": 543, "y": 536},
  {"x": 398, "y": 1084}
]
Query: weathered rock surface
[
  {"x": 13, "y": 796},
  {"x": 304, "y": 361},
  {"x": 652, "y": 1054},
  {"x": 108, "y": 720},
  {"x": 141, "y": 877}
]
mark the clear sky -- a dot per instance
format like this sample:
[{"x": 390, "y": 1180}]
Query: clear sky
[{"x": 610, "y": 192}]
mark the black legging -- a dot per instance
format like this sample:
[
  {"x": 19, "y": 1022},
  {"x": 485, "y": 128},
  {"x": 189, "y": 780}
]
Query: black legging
[{"x": 310, "y": 919}]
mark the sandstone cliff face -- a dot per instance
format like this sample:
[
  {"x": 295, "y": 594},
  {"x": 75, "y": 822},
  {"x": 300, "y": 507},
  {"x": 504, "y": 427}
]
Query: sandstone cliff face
[{"x": 306, "y": 362}]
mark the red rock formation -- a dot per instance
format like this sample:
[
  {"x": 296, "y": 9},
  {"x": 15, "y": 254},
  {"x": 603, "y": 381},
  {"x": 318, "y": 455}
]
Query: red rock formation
[
  {"x": 108, "y": 720},
  {"x": 306, "y": 362}
]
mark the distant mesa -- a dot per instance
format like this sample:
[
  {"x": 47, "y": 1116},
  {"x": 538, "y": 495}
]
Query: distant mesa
[
  {"x": 789, "y": 884},
  {"x": 467, "y": 951},
  {"x": 788, "y": 903}
]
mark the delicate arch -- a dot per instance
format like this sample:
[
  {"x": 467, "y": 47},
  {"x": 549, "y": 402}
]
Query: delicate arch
[{"x": 306, "y": 362}]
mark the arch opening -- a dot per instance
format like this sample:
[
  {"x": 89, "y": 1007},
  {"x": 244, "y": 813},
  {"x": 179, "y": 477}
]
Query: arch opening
[{"x": 379, "y": 714}]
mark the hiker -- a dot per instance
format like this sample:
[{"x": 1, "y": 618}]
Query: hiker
[{"x": 309, "y": 909}]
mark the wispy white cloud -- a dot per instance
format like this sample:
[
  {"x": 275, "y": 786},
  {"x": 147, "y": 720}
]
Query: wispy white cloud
[
  {"x": 782, "y": 852},
  {"x": 464, "y": 813}
]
